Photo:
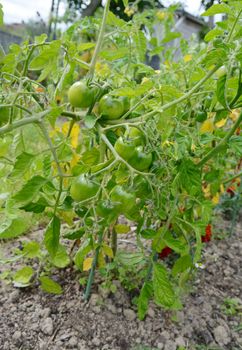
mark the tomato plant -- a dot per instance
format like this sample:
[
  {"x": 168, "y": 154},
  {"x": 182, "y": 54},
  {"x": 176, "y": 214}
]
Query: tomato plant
[{"x": 87, "y": 142}]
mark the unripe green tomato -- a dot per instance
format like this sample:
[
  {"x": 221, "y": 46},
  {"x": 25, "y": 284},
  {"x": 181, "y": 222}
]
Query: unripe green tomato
[
  {"x": 125, "y": 148},
  {"x": 125, "y": 199},
  {"x": 201, "y": 116},
  {"x": 134, "y": 134},
  {"x": 107, "y": 208},
  {"x": 82, "y": 189},
  {"x": 141, "y": 161},
  {"x": 110, "y": 107},
  {"x": 221, "y": 72},
  {"x": 4, "y": 115},
  {"x": 80, "y": 95},
  {"x": 126, "y": 103}
]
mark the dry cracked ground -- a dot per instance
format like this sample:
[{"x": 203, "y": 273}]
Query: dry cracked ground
[{"x": 31, "y": 319}]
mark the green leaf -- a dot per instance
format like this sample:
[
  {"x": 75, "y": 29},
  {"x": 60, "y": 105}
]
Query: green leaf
[
  {"x": 41, "y": 39},
  {"x": 22, "y": 277},
  {"x": 212, "y": 34},
  {"x": 22, "y": 164},
  {"x": 235, "y": 143},
  {"x": 61, "y": 258},
  {"x": 221, "y": 91},
  {"x": 114, "y": 20},
  {"x": 14, "y": 228},
  {"x": 217, "y": 8},
  {"x": 84, "y": 249},
  {"x": 48, "y": 53},
  {"x": 50, "y": 286},
  {"x": 174, "y": 244},
  {"x": 85, "y": 46},
  {"x": 91, "y": 157},
  {"x": 35, "y": 207},
  {"x": 52, "y": 235},
  {"x": 182, "y": 264},
  {"x": 163, "y": 292},
  {"x": 189, "y": 176},
  {"x": 129, "y": 259},
  {"x": 31, "y": 250},
  {"x": 143, "y": 300},
  {"x": 148, "y": 233},
  {"x": 140, "y": 43},
  {"x": 113, "y": 55},
  {"x": 30, "y": 190},
  {"x": 171, "y": 36},
  {"x": 73, "y": 235},
  {"x": 90, "y": 121}
]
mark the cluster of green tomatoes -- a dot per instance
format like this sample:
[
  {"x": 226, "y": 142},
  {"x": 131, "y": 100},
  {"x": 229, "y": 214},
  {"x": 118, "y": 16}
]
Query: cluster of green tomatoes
[{"x": 130, "y": 147}]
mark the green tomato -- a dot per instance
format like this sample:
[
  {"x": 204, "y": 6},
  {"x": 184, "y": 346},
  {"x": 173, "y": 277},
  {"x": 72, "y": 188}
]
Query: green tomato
[
  {"x": 137, "y": 137},
  {"x": 141, "y": 161},
  {"x": 126, "y": 103},
  {"x": 82, "y": 189},
  {"x": 126, "y": 200},
  {"x": 125, "y": 148},
  {"x": 106, "y": 208},
  {"x": 110, "y": 107},
  {"x": 221, "y": 72},
  {"x": 201, "y": 116},
  {"x": 80, "y": 95},
  {"x": 4, "y": 115}
]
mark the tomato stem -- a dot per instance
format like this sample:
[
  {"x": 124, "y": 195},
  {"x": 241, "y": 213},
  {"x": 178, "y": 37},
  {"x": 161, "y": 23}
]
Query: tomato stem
[{"x": 99, "y": 40}]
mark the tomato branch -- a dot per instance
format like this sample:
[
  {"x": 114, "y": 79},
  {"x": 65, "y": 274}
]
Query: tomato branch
[
  {"x": 18, "y": 124},
  {"x": 217, "y": 149}
]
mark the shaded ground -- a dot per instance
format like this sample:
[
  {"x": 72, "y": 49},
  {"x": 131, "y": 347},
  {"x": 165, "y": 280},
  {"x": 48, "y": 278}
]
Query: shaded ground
[{"x": 31, "y": 319}]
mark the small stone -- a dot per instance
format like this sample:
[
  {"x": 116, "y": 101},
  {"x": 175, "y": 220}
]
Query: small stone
[
  {"x": 97, "y": 309},
  {"x": 112, "y": 308},
  {"x": 180, "y": 341},
  {"x": 170, "y": 345},
  {"x": 95, "y": 300},
  {"x": 96, "y": 341},
  {"x": 47, "y": 326},
  {"x": 221, "y": 335},
  {"x": 45, "y": 312},
  {"x": 151, "y": 313},
  {"x": 129, "y": 314},
  {"x": 73, "y": 342},
  {"x": 14, "y": 297},
  {"x": 160, "y": 346},
  {"x": 17, "y": 335}
]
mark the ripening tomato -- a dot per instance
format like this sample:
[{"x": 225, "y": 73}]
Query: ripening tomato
[
  {"x": 80, "y": 95},
  {"x": 82, "y": 189},
  {"x": 111, "y": 107},
  {"x": 125, "y": 199},
  {"x": 141, "y": 161}
]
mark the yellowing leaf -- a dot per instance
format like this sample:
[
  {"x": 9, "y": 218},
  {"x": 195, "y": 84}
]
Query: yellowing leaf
[
  {"x": 206, "y": 191},
  {"x": 215, "y": 198},
  {"x": 222, "y": 188},
  {"x": 102, "y": 69},
  {"x": 74, "y": 133},
  {"x": 160, "y": 15},
  {"x": 120, "y": 228},
  {"x": 234, "y": 115},
  {"x": 207, "y": 126},
  {"x": 87, "y": 264},
  {"x": 101, "y": 260},
  {"x": 187, "y": 58},
  {"x": 221, "y": 123},
  {"x": 107, "y": 250},
  {"x": 75, "y": 159}
]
